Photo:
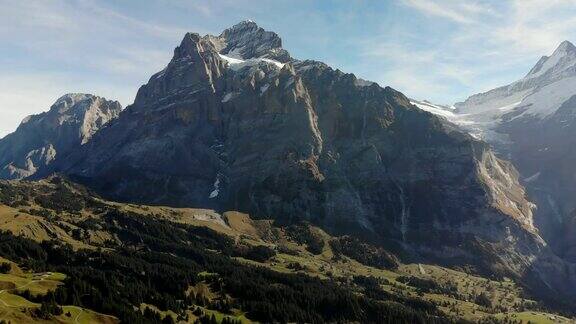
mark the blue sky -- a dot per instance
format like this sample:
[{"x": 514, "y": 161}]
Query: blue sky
[{"x": 441, "y": 50}]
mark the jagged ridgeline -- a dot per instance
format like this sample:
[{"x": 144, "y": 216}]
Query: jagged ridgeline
[{"x": 235, "y": 123}]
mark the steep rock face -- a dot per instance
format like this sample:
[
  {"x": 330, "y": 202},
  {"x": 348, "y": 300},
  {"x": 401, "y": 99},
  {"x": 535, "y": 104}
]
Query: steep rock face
[
  {"x": 533, "y": 123},
  {"x": 567, "y": 241},
  {"x": 71, "y": 121},
  {"x": 234, "y": 123}
]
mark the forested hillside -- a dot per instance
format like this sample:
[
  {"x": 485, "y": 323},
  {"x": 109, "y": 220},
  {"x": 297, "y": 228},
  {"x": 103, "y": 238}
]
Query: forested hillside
[{"x": 143, "y": 264}]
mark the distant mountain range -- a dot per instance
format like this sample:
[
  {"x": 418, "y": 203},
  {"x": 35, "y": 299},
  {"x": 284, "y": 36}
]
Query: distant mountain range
[{"x": 233, "y": 122}]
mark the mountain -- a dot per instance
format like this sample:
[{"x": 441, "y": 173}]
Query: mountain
[
  {"x": 235, "y": 123},
  {"x": 536, "y": 97},
  {"x": 533, "y": 122},
  {"x": 71, "y": 121}
]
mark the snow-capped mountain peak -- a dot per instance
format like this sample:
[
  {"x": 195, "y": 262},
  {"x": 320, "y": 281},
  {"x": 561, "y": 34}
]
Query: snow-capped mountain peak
[
  {"x": 539, "y": 94},
  {"x": 565, "y": 47},
  {"x": 563, "y": 57}
]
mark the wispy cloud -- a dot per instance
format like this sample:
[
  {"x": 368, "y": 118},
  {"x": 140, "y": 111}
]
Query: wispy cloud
[
  {"x": 458, "y": 11},
  {"x": 536, "y": 26},
  {"x": 150, "y": 28},
  {"x": 417, "y": 72},
  {"x": 469, "y": 46}
]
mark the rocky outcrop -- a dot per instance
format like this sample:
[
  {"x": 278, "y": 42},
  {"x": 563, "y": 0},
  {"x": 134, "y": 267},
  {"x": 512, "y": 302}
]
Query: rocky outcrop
[
  {"x": 234, "y": 123},
  {"x": 72, "y": 120}
]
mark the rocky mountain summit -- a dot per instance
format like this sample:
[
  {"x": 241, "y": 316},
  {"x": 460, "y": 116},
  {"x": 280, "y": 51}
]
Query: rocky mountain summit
[
  {"x": 234, "y": 123},
  {"x": 246, "y": 40},
  {"x": 71, "y": 122}
]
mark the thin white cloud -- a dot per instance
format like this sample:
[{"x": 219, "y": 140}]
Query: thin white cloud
[
  {"x": 486, "y": 44},
  {"x": 129, "y": 61},
  {"x": 536, "y": 26},
  {"x": 414, "y": 84},
  {"x": 38, "y": 14},
  {"x": 415, "y": 71},
  {"x": 152, "y": 29},
  {"x": 201, "y": 6},
  {"x": 457, "y": 11}
]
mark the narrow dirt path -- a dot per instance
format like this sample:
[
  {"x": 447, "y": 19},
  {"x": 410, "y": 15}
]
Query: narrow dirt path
[{"x": 20, "y": 287}]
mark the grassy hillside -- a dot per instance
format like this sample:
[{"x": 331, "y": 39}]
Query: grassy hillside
[
  {"x": 16, "y": 284},
  {"x": 159, "y": 264}
]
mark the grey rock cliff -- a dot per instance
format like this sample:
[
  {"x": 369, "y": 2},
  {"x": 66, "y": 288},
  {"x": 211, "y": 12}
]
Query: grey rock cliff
[{"x": 71, "y": 121}]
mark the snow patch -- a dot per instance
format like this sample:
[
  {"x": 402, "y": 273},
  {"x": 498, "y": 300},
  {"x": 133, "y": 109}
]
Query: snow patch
[
  {"x": 435, "y": 109},
  {"x": 264, "y": 88},
  {"x": 216, "y": 190},
  {"x": 278, "y": 64},
  {"x": 533, "y": 177},
  {"x": 480, "y": 124},
  {"x": 230, "y": 59},
  {"x": 548, "y": 99},
  {"x": 510, "y": 107},
  {"x": 236, "y": 63},
  {"x": 229, "y": 96}
]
